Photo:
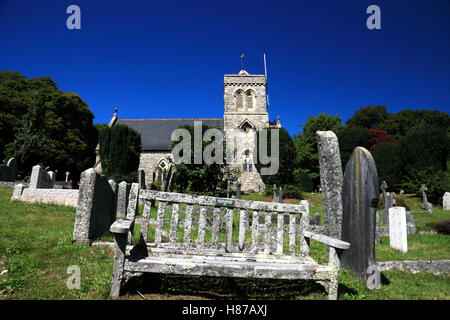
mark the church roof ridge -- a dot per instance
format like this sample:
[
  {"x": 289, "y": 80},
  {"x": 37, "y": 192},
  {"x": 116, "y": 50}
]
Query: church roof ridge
[{"x": 172, "y": 119}]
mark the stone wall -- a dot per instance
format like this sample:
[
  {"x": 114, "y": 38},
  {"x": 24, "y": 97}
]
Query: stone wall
[{"x": 66, "y": 197}]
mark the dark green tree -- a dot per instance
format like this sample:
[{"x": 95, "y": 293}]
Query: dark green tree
[
  {"x": 388, "y": 163},
  {"x": 40, "y": 124},
  {"x": 368, "y": 117},
  {"x": 120, "y": 149},
  {"x": 349, "y": 138},
  {"x": 307, "y": 162}
]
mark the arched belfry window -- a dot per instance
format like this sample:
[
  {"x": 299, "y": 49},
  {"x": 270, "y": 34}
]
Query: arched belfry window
[
  {"x": 239, "y": 100},
  {"x": 250, "y": 100}
]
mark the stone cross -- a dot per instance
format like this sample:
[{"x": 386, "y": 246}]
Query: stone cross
[
  {"x": 425, "y": 205},
  {"x": 67, "y": 176}
]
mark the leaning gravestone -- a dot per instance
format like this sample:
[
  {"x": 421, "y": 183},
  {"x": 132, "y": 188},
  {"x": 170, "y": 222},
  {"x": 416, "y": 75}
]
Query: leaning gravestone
[
  {"x": 397, "y": 229},
  {"x": 446, "y": 201},
  {"x": 94, "y": 213},
  {"x": 425, "y": 205},
  {"x": 238, "y": 191},
  {"x": 330, "y": 181},
  {"x": 359, "y": 200}
]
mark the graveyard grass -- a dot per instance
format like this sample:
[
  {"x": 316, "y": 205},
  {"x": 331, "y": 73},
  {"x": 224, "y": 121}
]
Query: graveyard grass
[{"x": 36, "y": 249}]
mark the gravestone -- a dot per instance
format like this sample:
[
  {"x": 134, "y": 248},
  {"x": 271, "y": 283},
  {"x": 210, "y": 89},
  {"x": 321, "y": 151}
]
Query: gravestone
[
  {"x": 141, "y": 179},
  {"x": 315, "y": 220},
  {"x": 331, "y": 179},
  {"x": 122, "y": 199},
  {"x": 425, "y": 205},
  {"x": 115, "y": 191},
  {"x": 238, "y": 191},
  {"x": 228, "y": 188},
  {"x": 41, "y": 179},
  {"x": 94, "y": 213},
  {"x": 389, "y": 202},
  {"x": 280, "y": 196},
  {"x": 12, "y": 165},
  {"x": 18, "y": 190},
  {"x": 274, "y": 199},
  {"x": 360, "y": 193},
  {"x": 397, "y": 229},
  {"x": 410, "y": 224},
  {"x": 67, "y": 176},
  {"x": 446, "y": 201}
]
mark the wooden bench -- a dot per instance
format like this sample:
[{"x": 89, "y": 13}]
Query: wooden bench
[{"x": 272, "y": 240}]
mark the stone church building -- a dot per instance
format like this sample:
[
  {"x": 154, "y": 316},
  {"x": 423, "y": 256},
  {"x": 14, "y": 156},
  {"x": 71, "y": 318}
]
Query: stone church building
[{"x": 245, "y": 108}]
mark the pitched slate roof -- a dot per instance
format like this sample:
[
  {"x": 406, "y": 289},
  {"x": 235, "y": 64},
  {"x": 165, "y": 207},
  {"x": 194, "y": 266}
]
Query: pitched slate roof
[{"x": 156, "y": 133}]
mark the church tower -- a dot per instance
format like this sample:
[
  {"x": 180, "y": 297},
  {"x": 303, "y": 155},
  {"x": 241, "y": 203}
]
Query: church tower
[{"x": 245, "y": 112}]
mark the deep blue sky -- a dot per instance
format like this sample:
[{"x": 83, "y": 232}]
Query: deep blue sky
[{"x": 166, "y": 59}]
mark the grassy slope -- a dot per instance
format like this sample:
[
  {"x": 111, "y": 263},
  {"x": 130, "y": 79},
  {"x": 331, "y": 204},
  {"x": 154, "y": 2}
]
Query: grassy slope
[{"x": 36, "y": 249}]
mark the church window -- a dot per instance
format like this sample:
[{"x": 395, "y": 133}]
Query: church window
[
  {"x": 240, "y": 101},
  {"x": 250, "y": 102}
]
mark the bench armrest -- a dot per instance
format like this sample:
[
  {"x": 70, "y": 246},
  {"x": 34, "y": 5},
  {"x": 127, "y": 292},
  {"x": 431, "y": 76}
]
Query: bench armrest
[
  {"x": 336, "y": 243},
  {"x": 121, "y": 226}
]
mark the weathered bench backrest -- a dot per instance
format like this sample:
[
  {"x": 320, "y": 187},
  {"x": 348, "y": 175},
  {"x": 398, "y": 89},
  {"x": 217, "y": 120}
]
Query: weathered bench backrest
[{"x": 264, "y": 236}]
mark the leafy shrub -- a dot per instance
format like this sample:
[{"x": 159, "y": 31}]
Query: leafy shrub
[
  {"x": 293, "y": 192},
  {"x": 441, "y": 226}
]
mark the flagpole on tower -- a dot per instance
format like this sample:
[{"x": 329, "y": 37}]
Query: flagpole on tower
[{"x": 265, "y": 73}]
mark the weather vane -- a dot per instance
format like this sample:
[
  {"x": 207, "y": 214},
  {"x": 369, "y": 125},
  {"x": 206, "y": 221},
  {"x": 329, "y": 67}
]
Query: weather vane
[{"x": 242, "y": 61}]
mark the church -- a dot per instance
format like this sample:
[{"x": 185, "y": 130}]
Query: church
[{"x": 245, "y": 108}]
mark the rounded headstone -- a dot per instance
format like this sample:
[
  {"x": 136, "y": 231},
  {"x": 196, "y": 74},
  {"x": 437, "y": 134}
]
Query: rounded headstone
[{"x": 360, "y": 194}]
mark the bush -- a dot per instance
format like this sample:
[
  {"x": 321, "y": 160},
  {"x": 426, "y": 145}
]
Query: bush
[{"x": 441, "y": 226}]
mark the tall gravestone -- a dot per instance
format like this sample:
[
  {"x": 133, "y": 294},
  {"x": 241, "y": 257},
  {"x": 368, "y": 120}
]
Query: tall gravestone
[
  {"x": 122, "y": 199},
  {"x": 360, "y": 194},
  {"x": 141, "y": 179},
  {"x": 238, "y": 191},
  {"x": 446, "y": 201},
  {"x": 397, "y": 229},
  {"x": 94, "y": 213},
  {"x": 40, "y": 179},
  {"x": 331, "y": 180}
]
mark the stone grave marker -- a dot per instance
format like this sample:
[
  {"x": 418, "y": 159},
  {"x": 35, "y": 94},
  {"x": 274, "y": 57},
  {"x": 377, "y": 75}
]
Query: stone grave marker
[
  {"x": 141, "y": 179},
  {"x": 122, "y": 199},
  {"x": 238, "y": 191},
  {"x": 360, "y": 194},
  {"x": 67, "y": 176},
  {"x": 425, "y": 205},
  {"x": 397, "y": 229},
  {"x": 446, "y": 201},
  {"x": 331, "y": 180}
]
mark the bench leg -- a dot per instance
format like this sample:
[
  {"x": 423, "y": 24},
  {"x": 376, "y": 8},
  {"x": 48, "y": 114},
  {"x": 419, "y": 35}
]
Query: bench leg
[
  {"x": 119, "y": 260},
  {"x": 334, "y": 261}
]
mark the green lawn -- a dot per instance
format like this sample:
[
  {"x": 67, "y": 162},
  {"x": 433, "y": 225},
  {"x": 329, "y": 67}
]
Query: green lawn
[{"x": 36, "y": 249}]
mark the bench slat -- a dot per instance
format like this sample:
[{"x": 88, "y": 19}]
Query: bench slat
[
  {"x": 229, "y": 229},
  {"x": 188, "y": 224},
  {"x": 201, "y": 227},
  {"x": 212, "y": 201},
  {"x": 280, "y": 233},
  {"x": 160, "y": 221},
  {"x": 255, "y": 229},
  {"x": 268, "y": 233},
  {"x": 292, "y": 234},
  {"x": 174, "y": 223},
  {"x": 243, "y": 217},
  {"x": 216, "y": 225},
  {"x": 145, "y": 219}
]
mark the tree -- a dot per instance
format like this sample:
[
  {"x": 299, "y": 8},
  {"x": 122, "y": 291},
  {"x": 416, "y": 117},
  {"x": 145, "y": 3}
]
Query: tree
[
  {"x": 368, "y": 117},
  {"x": 306, "y": 145},
  {"x": 349, "y": 138},
  {"x": 120, "y": 148},
  {"x": 377, "y": 136},
  {"x": 204, "y": 178},
  {"x": 40, "y": 124},
  {"x": 397, "y": 124},
  {"x": 388, "y": 162}
]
